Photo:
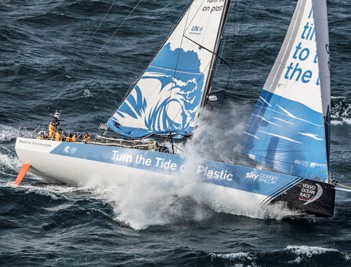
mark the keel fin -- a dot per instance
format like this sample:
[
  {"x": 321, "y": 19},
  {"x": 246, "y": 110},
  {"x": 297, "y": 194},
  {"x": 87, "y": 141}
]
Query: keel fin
[{"x": 21, "y": 174}]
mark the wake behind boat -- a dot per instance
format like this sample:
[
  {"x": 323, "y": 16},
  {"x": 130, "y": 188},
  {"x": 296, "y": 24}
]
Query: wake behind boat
[{"x": 288, "y": 131}]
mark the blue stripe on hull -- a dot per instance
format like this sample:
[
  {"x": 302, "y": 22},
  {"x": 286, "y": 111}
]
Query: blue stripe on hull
[{"x": 247, "y": 179}]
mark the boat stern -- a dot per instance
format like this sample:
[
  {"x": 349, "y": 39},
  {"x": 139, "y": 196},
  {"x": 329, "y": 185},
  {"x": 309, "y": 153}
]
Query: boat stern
[{"x": 311, "y": 197}]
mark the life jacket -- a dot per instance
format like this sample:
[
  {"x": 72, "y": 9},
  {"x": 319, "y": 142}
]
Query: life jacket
[
  {"x": 58, "y": 136},
  {"x": 52, "y": 130},
  {"x": 68, "y": 139},
  {"x": 74, "y": 138}
]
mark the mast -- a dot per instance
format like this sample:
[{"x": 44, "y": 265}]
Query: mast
[
  {"x": 215, "y": 55},
  {"x": 323, "y": 50}
]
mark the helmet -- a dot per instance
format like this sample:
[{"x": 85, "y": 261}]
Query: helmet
[{"x": 57, "y": 115}]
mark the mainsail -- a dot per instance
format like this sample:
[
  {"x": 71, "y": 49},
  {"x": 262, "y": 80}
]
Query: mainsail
[
  {"x": 289, "y": 127},
  {"x": 169, "y": 94}
]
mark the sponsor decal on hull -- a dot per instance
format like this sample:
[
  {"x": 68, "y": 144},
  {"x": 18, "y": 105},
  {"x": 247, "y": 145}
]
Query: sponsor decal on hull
[
  {"x": 311, "y": 197},
  {"x": 247, "y": 179},
  {"x": 310, "y": 193}
]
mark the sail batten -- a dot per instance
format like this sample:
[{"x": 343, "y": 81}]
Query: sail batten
[
  {"x": 286, "y": 130},
  {"x": 169, "y": 94}
]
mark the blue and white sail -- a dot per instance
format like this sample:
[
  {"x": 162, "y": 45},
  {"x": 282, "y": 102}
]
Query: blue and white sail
[
  {"x": 288, "y": 129},
  {"x": 169, "y": 94}
]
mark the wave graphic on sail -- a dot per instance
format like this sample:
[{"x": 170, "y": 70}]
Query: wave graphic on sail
[
  {"x": 165, "y": 99},
  {"x": 168, "y": 96}
]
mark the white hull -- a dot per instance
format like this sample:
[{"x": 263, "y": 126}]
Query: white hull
[
  {"x": 78, "y": 171},
  {"x": 72, "y": 170},
  {"x": 86, "y": 164}
]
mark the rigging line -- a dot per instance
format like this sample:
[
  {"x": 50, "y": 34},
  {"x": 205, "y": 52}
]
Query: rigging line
[
  {"x": 213, "y": 62},
  {"x": 208, "y": 50},
  {"x": 190, "y": 23},
  {"x": 101, "y": 22},
  {"x": 234, "y": 7},
  {"x": 122, "y": 23},
  {"x": 224, "y": 37}
]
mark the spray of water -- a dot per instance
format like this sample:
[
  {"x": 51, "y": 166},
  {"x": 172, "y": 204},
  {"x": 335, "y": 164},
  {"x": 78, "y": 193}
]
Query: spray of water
[
  {"x": 341, "y": 111},
  {"x": 7, "y": 133},
  {"x": 156, "y": 199},
  {"x": 9, "y": 163}
]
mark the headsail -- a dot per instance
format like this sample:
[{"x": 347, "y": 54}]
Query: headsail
[
  {"x": 286, "y": 130},
  {"x": 169, "y": 94}
]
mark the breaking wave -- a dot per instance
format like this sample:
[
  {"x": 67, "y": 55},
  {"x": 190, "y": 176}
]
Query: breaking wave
[
  {"x": 290, "y": 256},
  {"x": 341, "y": 111},
  {"x": 7, "y": 133},
  {"x": 8, "y": 163}
]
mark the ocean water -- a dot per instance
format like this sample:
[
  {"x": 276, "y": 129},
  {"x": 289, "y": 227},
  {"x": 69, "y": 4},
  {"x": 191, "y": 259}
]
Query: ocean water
[{"x": 53, "y": 57}]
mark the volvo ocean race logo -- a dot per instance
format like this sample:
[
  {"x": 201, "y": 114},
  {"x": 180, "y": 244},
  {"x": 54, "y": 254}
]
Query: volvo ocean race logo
[
  {"x": 167, "y": 96},
  {"x": 310, "y": 193}
]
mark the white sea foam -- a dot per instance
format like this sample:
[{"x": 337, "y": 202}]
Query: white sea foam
[
  {"x": 159, "y": 200},
  {"x": 53, "y": 191},
  {"x": 238, "y": 255},
  {"x": 9, "y": 162},
  {"x": 155, "y": 199},
  {"x": 342, "y": 121},
  {"x": 7, "y": 133},
  {"x": 303, "y": 253},
  {"x": 308, "y": 252},
  {"x": 87, "y": 93},
  {"x": 240, "y": 259}
]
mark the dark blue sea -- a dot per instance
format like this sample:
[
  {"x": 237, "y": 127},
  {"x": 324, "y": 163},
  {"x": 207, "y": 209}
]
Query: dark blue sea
[{"x": 54, "y": 55}]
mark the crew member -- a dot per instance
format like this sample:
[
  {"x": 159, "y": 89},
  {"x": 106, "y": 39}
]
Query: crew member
[
  {"x": 52, "y": 128},
  {"x": 58, "y": 135},
  {"x": 69, "y": 138},
  {"x": 74, "y": 137},
  {"x": 54, "y": 124},
  {"x": 86, "y": 137},
  {"x": 41, "y": 135}
]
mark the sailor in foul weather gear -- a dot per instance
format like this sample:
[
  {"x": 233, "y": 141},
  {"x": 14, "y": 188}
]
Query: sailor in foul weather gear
[
  {"x": 58, "y": 135},
  {"x": 86, "y": 137},
  {"x": 52, "y": 129},
  {"x": 74, "y": 137},
  {"x": 54, "y": 124},
  {"x": 41, "y": 135},
  {"x": 69, "y": 138}
]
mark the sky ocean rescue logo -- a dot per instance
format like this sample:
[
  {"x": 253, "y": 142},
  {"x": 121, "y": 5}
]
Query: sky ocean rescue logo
[{"x": 262, "y": 177}]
